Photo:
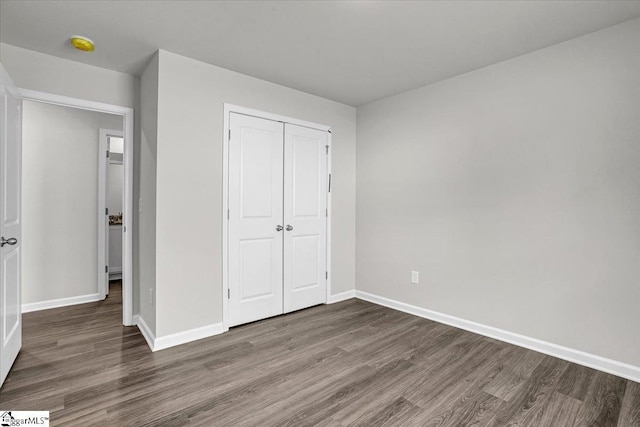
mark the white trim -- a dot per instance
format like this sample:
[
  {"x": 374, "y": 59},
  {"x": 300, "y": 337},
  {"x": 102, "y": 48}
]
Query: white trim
[
  {"x": 228, "y": 109},
  {"x": 128, "y": 117},
  {"x": 609, "y": 366},
  {"x": 167, "y": 341},
  {"x": 61, "y": 302},
  {"x": 149, "y": 336},
  {"x": 329, "y": 215},
  {"x": 67, "y": 101},
  {"x": 225, "y": 216},
  {"x": 342, "y": 296},
  {"x": 127, "y": 223},
  {"x": 103, "y": 219},
  {"x": 184, "y": 337}
]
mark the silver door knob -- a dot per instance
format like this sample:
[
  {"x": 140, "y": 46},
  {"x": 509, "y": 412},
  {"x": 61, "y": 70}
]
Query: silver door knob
[
  {"x": 289, "y": 228},
  {"x": 12, "y": 241},
  {"x": 278, "y": 228}
]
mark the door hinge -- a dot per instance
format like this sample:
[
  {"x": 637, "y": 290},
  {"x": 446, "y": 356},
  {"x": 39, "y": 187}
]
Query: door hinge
[
  {"x": 228, "y": 293},
  {"x": 106, "y": 268},
  {"x": 326, "y": 275},
  {"x": 107, "y": 153},
  {"x": 229, "y": 134},
  {"x": 228, "y": 214},
  {"x": 106, "y": 211},
  {"x": 327, "y": 147},
  {"x": 124, "y": 228},
  {"x": 329, "y": 183},
  {"x": 326, "y": 212}
]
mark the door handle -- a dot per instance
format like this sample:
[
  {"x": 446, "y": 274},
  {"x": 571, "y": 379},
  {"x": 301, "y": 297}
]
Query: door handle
[
  {"x": 278, "y": 228},
  {"x": 289, "y": 228},
  {"x": 12, "y": 241}
]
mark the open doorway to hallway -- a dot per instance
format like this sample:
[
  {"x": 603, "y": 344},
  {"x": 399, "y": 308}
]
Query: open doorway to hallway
[{"x": 71, "y": 243}]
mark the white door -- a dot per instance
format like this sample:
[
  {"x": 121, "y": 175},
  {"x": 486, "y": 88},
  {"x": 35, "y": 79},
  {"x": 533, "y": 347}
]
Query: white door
[
  {"x": 10, "y": 225},
  {"x": 305, "y": 217},
  {"x": 255, "y": 219}
]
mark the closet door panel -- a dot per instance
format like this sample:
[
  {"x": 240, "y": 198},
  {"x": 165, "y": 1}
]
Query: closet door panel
[
  {"x": 305, "y": 204},
  {"x": 255, "y": 212}
]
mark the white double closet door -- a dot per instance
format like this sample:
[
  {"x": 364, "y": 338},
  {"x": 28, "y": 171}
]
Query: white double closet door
[{"x": 277, "y": 239}]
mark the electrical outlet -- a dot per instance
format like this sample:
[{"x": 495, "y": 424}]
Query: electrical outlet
[
  {"x": 151, "y": 296},
  {"x": 415, "y": 277}
]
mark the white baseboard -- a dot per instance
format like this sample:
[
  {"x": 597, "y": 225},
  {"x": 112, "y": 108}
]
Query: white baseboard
[
  {"x": 62, "y": 302},
  {"x": 187, "y": 336},
  {"x": 342, "y": 296},
  {"x": 172, "y": 340},
  {"x": 610, "y": 366},
  {"x": 145, "y": 331}
]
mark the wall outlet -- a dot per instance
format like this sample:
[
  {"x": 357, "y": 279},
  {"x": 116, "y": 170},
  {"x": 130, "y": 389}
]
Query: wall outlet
[
  {"x": 151, "y": 296},
  {"x": 415, "y": 277}
]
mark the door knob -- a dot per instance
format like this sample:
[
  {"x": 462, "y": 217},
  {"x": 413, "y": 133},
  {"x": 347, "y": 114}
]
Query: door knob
[
  {"x": 278, "y": 228},
  {"x": 289, "y": 228},
  {"x": 12, "y": 241}
]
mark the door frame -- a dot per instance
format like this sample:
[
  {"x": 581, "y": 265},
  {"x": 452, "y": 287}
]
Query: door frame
[
  {"x": 128, "y": 159},
  {"x": 103, "y": 217},
  {"x": 228, "y": 109}
]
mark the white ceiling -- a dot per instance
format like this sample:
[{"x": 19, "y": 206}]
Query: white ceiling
[{"x": 351, "y": 52}]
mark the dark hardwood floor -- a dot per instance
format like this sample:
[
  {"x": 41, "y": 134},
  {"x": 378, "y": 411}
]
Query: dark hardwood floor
[{"x": 351, "y": 363}]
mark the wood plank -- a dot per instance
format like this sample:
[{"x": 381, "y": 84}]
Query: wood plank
[
  {"x": 475, "y": 408},
  {"x": 465, "y": 403},
  {"x": 630, "y": 414},
  {"x": 576, "y": 381},
  {"x": 514, "y": 376},
  {"x": 604, "y": 401},
  {"x": 398, "y": 412},
  {"x": 561, "y": 410},
  {"x": 533, "y": 396}
]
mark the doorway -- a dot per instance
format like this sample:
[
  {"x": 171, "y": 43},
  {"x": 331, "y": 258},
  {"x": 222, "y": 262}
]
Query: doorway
[
  {"x": 12, "y": 100},
  {"x": 277, "y": 226},
  {"x": 65, "y": 200}
]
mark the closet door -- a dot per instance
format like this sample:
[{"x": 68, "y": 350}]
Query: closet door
[
  {"x": 305, "y": 217},
  {"x": 255, "y": 219}
]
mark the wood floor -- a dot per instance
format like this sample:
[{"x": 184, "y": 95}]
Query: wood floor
[{"x": 351, "y": 363}]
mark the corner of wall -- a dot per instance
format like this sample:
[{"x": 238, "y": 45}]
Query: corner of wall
[{"x": 146, "y": 200}]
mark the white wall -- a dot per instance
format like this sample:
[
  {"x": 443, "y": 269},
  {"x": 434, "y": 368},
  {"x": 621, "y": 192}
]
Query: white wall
[
  {"x": 189, "y": 183},
  {"x": 60, "y": 200},
  {"x": 514, "y": 191}
]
